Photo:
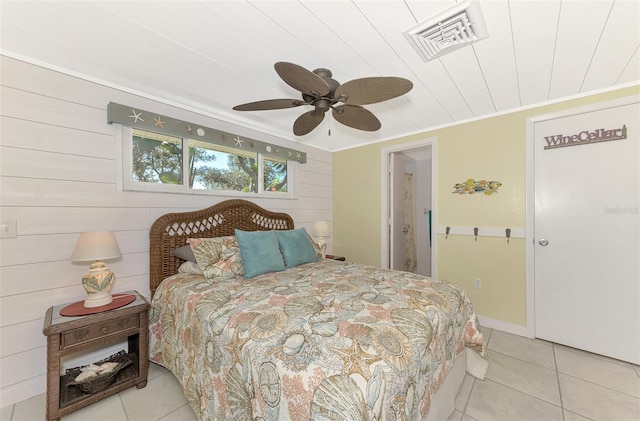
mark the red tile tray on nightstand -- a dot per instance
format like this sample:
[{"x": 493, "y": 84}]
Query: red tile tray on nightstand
[{"x": 78, "y": 309}]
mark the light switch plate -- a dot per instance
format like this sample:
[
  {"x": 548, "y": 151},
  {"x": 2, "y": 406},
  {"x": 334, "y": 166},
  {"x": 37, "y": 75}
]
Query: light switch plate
[{"x": 9, "y": 228}]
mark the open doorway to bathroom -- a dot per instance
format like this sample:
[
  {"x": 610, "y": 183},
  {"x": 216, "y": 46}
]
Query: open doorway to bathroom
[{"x": 408, "y": 204}]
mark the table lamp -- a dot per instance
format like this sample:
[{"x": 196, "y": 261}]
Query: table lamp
[
  {"x": 96, "y": 246},
  {"x": 321, "y": 231}
]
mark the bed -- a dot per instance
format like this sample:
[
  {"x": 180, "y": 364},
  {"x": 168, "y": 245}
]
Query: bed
[{"x": 318, "y": 339}]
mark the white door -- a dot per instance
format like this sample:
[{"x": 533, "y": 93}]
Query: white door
[
  {"x": 423, "y": 154},
  {"x": 587, "y": 232},
  {"x": 397, "y": 209}
]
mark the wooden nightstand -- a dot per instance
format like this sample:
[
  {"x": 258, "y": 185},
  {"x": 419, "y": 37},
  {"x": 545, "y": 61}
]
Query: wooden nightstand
[
  {"x": 332, "y": 257},
  {"x": 67, "y": 335}
]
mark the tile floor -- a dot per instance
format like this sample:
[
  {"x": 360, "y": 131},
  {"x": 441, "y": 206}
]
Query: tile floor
[{"x": 527, "y": 380}]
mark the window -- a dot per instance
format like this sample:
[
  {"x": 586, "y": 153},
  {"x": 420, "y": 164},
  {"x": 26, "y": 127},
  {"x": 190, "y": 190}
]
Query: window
[
  {"x": 214, "y": 167},
  {"x": 275, "y": 174},
  {"x": 156, "y": 158},
  {"x": 158, "y": 162}
]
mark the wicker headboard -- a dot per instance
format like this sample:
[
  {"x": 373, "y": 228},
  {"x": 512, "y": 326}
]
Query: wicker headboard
[{"x": 172, "y": 230}]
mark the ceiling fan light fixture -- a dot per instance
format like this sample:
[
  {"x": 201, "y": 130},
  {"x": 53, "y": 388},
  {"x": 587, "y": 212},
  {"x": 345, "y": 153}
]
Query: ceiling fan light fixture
[
  {"x": 449, "y": 30},
  {"x": 322, "y": 104}
]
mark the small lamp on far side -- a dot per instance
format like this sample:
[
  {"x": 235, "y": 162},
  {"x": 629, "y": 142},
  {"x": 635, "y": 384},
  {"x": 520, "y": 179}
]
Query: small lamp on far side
[
  {"x": 321, "y": 231},
  {"x": 97, "y": 246}
]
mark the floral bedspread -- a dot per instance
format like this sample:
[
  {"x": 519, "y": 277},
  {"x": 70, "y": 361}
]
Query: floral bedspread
[{"x": 326, "y": 340}]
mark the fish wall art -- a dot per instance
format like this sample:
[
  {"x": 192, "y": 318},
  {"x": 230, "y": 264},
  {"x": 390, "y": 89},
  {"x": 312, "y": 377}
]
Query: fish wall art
[{"x": 472, "y": 186}]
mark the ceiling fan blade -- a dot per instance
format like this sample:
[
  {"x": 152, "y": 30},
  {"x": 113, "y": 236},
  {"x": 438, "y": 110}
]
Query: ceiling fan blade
[
  {"x": 356, "y": 117},
  {"x": 302, "y": 79},
  {"x": 307, "y": 122},
  {"x": 369, "y": 90},
  {"x": 269, "y": 104}
]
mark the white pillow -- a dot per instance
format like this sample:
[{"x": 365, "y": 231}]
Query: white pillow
[{"x": 190, "y": 267}]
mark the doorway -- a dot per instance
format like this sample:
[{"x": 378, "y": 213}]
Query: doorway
[
  {"x": 584, "y": 228},
  {"x": 408, "y": 203}
]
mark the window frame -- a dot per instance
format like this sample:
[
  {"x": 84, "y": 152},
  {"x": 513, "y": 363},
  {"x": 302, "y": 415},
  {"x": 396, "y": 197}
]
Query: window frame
[{"x": 129, "y": 184}]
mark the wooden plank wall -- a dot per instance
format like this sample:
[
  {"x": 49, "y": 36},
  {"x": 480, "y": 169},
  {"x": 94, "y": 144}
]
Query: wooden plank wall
[{"x": 58, "y": 177}]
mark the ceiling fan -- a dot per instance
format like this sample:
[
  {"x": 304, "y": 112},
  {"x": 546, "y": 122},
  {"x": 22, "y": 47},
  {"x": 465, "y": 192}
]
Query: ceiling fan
[{"x": 323, "y": 93}]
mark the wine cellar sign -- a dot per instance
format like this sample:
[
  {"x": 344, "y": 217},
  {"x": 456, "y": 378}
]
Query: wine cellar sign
[{"x": 585, "y": 137}]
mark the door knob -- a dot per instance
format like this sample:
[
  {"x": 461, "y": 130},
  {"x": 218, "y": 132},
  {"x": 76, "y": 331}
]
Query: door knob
[{"x": 543, "y": 242}]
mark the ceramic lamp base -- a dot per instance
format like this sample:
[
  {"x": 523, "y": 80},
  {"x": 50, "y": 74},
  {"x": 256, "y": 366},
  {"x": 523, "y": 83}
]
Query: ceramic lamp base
[
  {"x": 323, "y": 246},
  {"x": 98, "y": 283},
  {"x": 98, "y": 300}
]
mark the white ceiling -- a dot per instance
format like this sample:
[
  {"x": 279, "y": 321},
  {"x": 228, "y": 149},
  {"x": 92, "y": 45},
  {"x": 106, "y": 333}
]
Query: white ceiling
[{"x": 208, "y": 56}]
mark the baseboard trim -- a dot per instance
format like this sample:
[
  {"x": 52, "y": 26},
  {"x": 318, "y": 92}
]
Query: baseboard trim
[
  {"x": 24, "y": 390},
  {"x": 502, "y": 326}
]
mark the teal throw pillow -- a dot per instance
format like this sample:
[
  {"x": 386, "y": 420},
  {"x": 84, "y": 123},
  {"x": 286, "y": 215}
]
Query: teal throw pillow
[
  {"x": 259, "y": 251},
  {"x": 296, "y": 247}
]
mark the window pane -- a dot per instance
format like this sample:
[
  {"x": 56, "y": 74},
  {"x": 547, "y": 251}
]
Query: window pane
[
  {"x": 215, "y": 167},
  {"x": 275, "y": 174},
  {"x": 157, "y": 158}
]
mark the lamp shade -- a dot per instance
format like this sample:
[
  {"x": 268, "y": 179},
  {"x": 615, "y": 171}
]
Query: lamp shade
[
  {"x": 321, "y": 229},
  {"x": 96, "y": 245}
]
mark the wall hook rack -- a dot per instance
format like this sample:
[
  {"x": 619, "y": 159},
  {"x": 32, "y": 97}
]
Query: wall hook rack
[{"x": 476, "y": 232}]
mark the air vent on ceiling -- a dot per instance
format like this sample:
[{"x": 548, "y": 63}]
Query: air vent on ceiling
[{"x": 453, "y": 28}]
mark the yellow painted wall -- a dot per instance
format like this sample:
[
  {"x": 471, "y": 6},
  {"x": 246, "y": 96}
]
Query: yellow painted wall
[{"x": 492, "y": 148}]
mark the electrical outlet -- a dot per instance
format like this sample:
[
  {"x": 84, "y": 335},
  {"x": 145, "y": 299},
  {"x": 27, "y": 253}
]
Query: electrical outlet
[
  {"x": 477, "y": 283},
  {"x": 9, "y": 228}
]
